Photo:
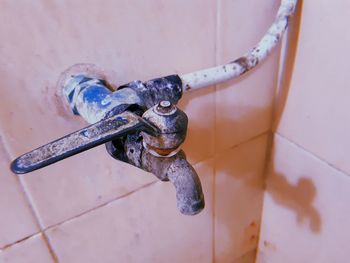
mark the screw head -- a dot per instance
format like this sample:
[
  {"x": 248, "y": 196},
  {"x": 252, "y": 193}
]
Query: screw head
[
  {"x": 165, "y": 107},
  {"x": 165, "y": 104}
]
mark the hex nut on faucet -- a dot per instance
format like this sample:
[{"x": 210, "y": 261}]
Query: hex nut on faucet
[{"x": 172, "y": 123}]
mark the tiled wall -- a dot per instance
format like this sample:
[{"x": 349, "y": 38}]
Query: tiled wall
[
  {"x": 306, "y": 207},
  {"x": 90, "y": 208}
]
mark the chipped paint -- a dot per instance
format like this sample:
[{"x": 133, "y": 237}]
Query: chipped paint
[
  {"x": 154, "y": 91},
  {"x": 94, "y": 100},
  {"x": 256, "y": 55}
]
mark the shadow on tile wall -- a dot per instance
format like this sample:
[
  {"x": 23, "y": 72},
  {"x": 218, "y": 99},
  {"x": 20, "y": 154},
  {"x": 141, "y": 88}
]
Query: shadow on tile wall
[{"x": 297, "y": 197}]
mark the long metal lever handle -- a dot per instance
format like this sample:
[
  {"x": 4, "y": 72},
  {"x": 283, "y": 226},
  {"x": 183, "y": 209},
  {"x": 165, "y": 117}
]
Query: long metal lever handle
[{"x": 81, "y": 140}]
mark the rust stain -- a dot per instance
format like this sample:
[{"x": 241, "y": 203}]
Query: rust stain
[
  {"x": 162, "y": 151},
  {"x": 269, "y": 245},
  {"x": 253, "y": 224},
  {"x": 243, "y": 62}
]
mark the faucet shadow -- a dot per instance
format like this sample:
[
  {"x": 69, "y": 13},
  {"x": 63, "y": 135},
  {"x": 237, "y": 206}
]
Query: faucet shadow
[{"x": 297, "y": 197}]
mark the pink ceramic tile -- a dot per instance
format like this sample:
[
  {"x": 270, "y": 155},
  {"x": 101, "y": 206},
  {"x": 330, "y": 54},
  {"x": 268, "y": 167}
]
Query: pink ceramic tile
[
  {"x": 316, "y": 113},
  {"x": 16, "y": 219},
  {"x": 75, "y": 186},
  {"x": 32, "y": 250},
  {"x": 238, "y": 199},
  {"x": 200, "y": 108},
  {"x": 142, "y": 227},
  {"x": 137, "y": 41},
  {"x": 306, "y": 212},
  {"x": 243, "y": 106},
  {"x": 261, "y": 258},
  {"x": 247, "y": 258}
]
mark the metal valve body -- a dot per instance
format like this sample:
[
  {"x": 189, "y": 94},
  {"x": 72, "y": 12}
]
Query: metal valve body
[
  {"x": 140, "y": 125},
  {"x": 158, "y": 153}
]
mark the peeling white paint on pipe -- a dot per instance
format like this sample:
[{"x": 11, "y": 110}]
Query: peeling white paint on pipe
[{"x": 215, "y": 75}]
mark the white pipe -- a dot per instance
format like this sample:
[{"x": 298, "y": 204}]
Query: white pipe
[{"x": 215, "y": 75}]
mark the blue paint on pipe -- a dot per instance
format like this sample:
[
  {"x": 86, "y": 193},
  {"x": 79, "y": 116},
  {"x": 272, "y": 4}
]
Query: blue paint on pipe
[
  {"x": 93, "y": 92},
  {"x": 97, "y": 94}
]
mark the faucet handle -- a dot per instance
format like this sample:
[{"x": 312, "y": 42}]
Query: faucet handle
[{"x": 82, "y": 140}]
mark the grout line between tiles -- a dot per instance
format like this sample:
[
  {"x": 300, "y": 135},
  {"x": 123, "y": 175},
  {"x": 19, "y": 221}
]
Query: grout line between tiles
[
  {"x": 51, "y": 249},
  {"x": 231, "y": 147},
  {"x": 53, "y": 255},
  {"x": 217, "y": 49},
  {"x": 22, "y": 186},
  {"x": 268, "y": 156},
  {"x": 246, "y": 141},
  {"x": 29, "y": 203},
  {"x": 102, "y": 205},
  {"x": 214, "y": 195},
  {"x": 35, "y": 214},
  {"x": 44, "y": 235},
  {"x": 19, "y": 241},
  {"x": 114, "y": 199},
  {"x": 344, "y": 173}
]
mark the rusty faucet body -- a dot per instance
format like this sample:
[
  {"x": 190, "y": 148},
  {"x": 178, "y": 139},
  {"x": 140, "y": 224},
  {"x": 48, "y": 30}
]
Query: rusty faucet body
[{"x": 160, "y": 153}]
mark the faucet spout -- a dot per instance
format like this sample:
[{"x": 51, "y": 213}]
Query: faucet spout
[
  {"x": 189, "y": 193},
  {"x": 177, "y": 170}
]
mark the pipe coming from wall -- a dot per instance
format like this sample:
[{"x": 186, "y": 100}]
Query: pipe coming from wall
[{"x": 215, "y": 75}]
